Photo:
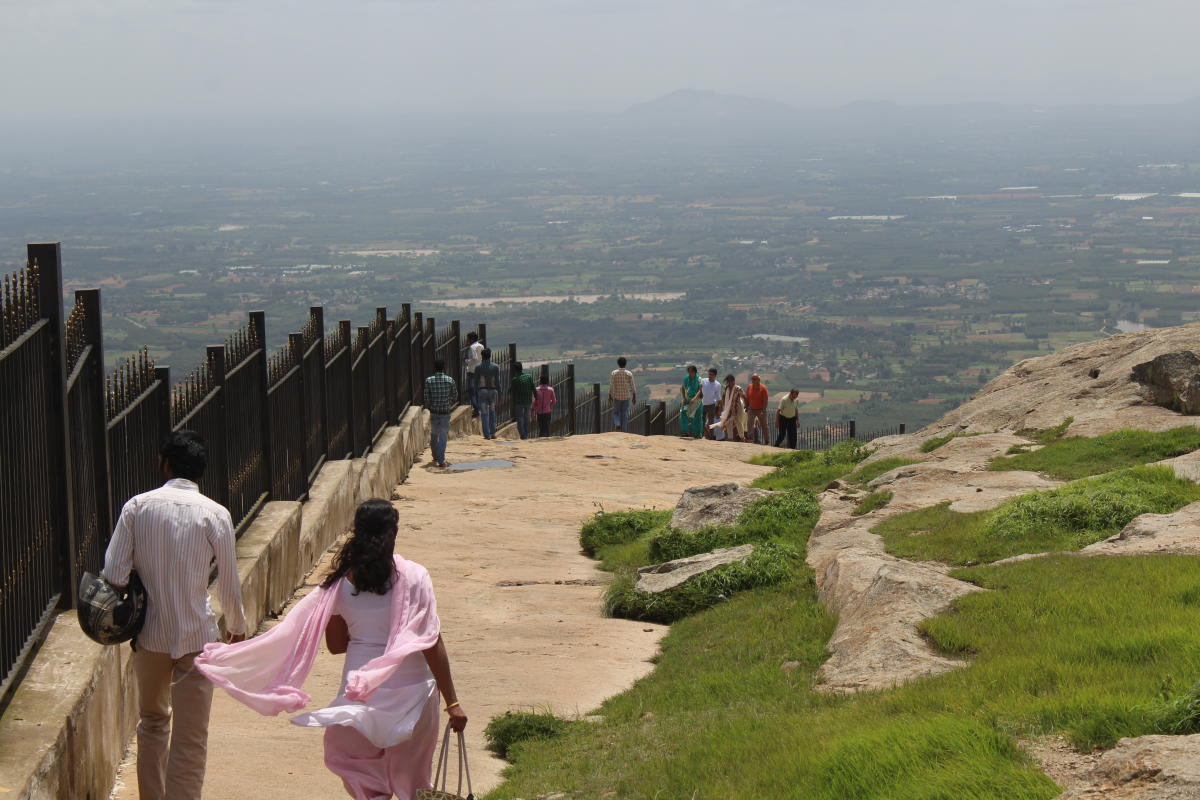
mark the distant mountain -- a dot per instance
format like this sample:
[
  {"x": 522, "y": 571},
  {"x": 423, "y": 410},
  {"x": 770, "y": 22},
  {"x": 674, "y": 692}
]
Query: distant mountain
[{"x": 707, "y": 104}]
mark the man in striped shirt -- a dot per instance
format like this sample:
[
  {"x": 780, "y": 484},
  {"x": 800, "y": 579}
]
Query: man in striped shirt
[
  {"x": 440, "y": 397},
  {"x": 170, "y": 536}
]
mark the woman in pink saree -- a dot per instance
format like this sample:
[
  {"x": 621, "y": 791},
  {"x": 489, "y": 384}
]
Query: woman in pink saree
[{"x": 378, "y": 609}]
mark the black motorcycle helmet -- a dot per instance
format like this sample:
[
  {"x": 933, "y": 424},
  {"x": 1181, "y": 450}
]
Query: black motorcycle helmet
[{"x": 109, "y": 615}]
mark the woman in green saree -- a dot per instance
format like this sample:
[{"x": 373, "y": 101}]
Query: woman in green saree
[{"x": 691, "y": 414}]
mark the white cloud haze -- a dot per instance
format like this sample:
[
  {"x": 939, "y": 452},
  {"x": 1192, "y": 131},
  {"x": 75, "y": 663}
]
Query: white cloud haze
[{"x": 83, "y": 57}]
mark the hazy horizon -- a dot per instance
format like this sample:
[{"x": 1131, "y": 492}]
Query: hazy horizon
[{"x": 196, "y": 58}]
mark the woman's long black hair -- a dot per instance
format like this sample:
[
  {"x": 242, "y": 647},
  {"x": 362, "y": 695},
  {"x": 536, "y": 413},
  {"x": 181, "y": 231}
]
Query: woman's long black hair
[{"x": 366, "y": 557}]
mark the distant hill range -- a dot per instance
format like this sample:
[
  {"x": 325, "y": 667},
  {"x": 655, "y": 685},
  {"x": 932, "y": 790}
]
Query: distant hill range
[{"x": 707, "y": 104}]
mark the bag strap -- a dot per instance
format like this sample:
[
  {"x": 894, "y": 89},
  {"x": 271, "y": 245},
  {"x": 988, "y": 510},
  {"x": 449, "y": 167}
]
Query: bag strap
[
  {"x": 441, "y": 772},
  {"x": 463, "y": 766}
]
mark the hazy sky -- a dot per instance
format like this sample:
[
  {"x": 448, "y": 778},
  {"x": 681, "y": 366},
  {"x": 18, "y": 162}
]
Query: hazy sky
[{"x": 289, "y": 56}]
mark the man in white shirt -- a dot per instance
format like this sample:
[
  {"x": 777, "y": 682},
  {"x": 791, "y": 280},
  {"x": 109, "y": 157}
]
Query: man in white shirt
[
  {"x": 170, "y": 536},
  {"x": 710, "y": 394},
  {"x": 474, "y": 359}
]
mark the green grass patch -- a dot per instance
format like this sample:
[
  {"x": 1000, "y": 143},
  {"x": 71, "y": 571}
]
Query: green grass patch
[
  {"x": 813, "y": 476},
  {"x": 1078, "y": 456},
  {"x": 511, "y": 728},
  {"x": 619, "y": 528},
  {"x": 872, "y": 502},
  {"x": 770, "y": 563},
  {"x": 864, "y": 475},
  {"x": 1060, "y": 645},
  {"x": 1066, "y": 518},
  {"x": 929, "y": 445},
  {"x": 1047, "y": 435},
  {"x": 788, "y": 516}
]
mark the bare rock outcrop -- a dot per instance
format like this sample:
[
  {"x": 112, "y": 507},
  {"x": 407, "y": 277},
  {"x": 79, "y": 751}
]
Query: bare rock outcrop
[
  {"x": 1172, "y": 380},
  {"x": 662, "y": 577},
  {"x": 1145, "y": 768},
  {"x": 1177, "y": 533},
  {"x": 719, "y": 504}
]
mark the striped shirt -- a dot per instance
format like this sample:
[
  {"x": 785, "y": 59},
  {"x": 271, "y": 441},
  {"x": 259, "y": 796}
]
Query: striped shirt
[
  {"x": 440, "y": 393},
  {"x": 620, "y": 385},
  {"x": 170, "y": 536}
]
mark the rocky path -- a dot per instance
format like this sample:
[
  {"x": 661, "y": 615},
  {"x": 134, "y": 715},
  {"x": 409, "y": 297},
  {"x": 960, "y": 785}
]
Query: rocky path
[{"x": 520, "y": 605}]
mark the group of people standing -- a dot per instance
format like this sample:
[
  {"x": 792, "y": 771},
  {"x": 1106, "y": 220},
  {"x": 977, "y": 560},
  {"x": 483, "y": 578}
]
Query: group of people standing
[{"x": 715, "y": 409}]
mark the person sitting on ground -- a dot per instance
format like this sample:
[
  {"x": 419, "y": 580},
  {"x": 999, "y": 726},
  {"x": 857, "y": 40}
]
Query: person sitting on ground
[
  {"x": 440, "y": 396},
  {"x": 785, "y": 419},
  {"x": 710, "y": 390},
  {"x": 488, "y": 376},
  {"x": 757, "y": 398},
  {"x": 622, "y": 394},
  {"x": 543, "y": 405},
  {"x": 521, "y": 390},
  {"x": 691, "y": 413},
  {"x": 379, "y": 609}
]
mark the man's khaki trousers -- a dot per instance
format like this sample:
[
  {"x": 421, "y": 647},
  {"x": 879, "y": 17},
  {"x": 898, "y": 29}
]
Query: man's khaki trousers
[{"x": 171, "y": 758}]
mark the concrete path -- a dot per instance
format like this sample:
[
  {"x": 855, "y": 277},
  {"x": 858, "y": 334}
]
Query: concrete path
[{"x": 519, "y": 604}]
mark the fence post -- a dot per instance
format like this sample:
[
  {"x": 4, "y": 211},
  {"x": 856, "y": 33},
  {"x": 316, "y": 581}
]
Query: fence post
[
  {"x": 902, "y": 428},
  {"x": 216, "y": 371},
  {"x": 597, "y": 423},
  {"x": 572, "y": 427},
  {"x": 458, "y": 368},
  {"x": 389, "y": 406},
  {"x": 430, "y": 346},
  {"x": 545, "y": 373},
  {"x": 512, "y": 352},
  {"x": 48, "y": 257},
  {"x": 659, "y": 427},
  {"x": 316, "y": 315},
  {"x": 344, "y": 336},
  {"x": 258, "y": 333},
  {"x": 296, "y": 346},
  {"x": 94, "y": 334},
  {"x": 853, "y": 429},
  {"x": 482, "y": 329},
  {"x": 163, "y": 376}
]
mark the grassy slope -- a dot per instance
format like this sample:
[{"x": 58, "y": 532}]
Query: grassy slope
[
  {"x": 1082, "y": 647},
  {"x": 1078, "y": 456}
]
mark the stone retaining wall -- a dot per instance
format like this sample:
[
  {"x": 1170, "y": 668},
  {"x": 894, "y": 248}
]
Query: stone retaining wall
[{"x": 64, "y": 732}]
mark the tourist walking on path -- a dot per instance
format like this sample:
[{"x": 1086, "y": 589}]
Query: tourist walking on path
[
  {"x": 543, "y": 405},
  {"x": 474, "y": 359},
  {"x": 732, "y": 421},
  {"x": 622, "y": 393},
  {"x": 441, "y": 393},
  {"x": 710, "y": 390},
  {"x": 785, "y": 419},
  {"x": 379, "y": 609},
  {"x": 487, "y": 375},
  {"x": 691, "y": 413},
  {"x": 757, "y": 398},
  {"x": 170, "y": 536},
  {"x": 521, "y": 390}
]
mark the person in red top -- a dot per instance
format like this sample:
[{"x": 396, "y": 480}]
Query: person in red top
[
  {"x": 543, "y": 405},
  {"x": 757, "y": 398}
]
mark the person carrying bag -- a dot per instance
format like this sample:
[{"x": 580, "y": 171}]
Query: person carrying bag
[{"x": 439, "y": 790}]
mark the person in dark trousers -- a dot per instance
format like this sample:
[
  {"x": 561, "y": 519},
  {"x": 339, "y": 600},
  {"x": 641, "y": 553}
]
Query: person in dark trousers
[
  {"x": 487, "y": 375},
  {"x": 521, "y": 389},
  {"x": 543, "y": 405},
  {"x": 440, "y": 396},
  {"x": 622, "y": 393},
  {"x": 785, "y": 419},
  {"x": 474, "y": 359}
]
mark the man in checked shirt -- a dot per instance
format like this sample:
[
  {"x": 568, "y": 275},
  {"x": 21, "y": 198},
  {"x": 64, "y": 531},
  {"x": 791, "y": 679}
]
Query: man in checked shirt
[{"x": 170, "y": 536}]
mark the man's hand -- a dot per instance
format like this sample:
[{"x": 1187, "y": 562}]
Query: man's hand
[
  {"x": 458, "y": 718},
  {"x": 234, "y": 638}
]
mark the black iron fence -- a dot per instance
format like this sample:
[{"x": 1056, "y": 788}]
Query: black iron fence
[{"x": 76, "y": 443}]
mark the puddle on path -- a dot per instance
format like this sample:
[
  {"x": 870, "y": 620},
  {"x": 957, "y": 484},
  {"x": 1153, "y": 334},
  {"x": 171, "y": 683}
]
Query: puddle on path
[{"x": 490, "y": 463}]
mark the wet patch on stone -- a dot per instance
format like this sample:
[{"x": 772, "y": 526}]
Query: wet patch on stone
[{"x": 488, "y": 463}]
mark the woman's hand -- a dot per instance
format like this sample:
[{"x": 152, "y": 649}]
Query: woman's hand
[{"x": 458, "y": 718}]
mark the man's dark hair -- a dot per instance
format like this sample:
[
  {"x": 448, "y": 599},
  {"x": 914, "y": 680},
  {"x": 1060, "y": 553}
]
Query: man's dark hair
[
  {"x": 472, "y": 336},
  {"x": 544, "y": 380},
  {"x": 621, "y": 362},
  {"x": 486, "y": 353},
  {"x": 439, "y": 365},
  {"x": 185, "y": 453},
  {"x": 518, "y": 367},
  {"x": 712, "y": 370}
]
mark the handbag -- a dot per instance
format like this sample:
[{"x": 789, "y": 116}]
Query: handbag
[{"x": 443, "y": 767}]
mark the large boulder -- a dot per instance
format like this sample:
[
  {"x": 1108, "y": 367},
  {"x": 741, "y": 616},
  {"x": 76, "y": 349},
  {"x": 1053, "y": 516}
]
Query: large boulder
[
  {"x": 1172, "y": 380},
  {"x": 719, "y": 504},
  {"x": 1145, "y": 768},
  {"x": 1177, "y": 533},
  {"x": 668, "y": 575}
]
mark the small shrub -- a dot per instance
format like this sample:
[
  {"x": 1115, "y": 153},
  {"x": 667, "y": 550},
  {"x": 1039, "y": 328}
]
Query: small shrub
[
  {"x": 513, "y": 727},
  {"x": 929, "y": 445},
  {"x": 872, "y": 502},
  {"x": 870, "y": 472},
  {"x": 847, "y": 451},
  {"x": 619, "y": 527},
  {"x": 1047, "y": 435},
  {"x": 1179, "y": 716},
  {"x": 787, "y": 458},
  {"x": 769, "y": 564}
]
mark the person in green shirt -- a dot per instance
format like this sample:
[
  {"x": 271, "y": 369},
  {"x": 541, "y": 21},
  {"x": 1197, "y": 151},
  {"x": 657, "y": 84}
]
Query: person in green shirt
[
  {"x": 521, "y": 391},
  {"x": 785, "y": 419}
]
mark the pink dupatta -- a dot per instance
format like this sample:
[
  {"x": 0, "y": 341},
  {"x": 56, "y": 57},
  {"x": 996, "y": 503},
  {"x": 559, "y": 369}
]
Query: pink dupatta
[{"x": 266, "y": 672}]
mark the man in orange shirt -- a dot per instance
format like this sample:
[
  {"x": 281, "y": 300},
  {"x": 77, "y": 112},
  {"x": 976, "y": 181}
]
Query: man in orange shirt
[{"x": 757, "y": 398}]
